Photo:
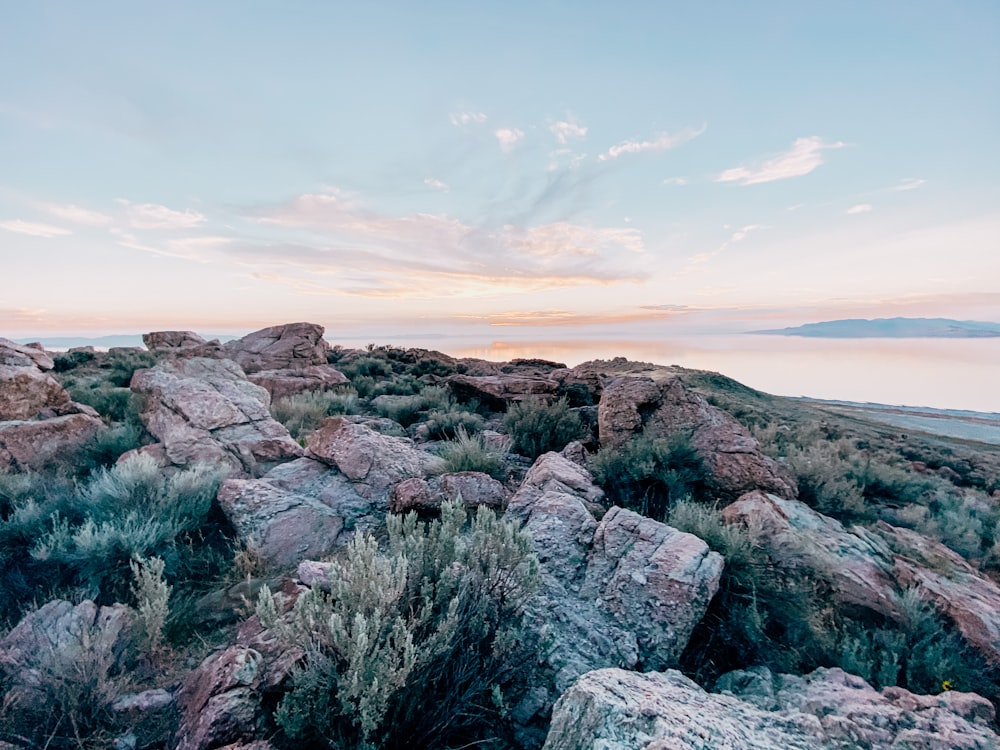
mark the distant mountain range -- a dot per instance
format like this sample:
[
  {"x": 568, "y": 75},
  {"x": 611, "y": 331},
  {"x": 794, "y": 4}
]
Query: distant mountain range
[{"x": 892, "y": 328}]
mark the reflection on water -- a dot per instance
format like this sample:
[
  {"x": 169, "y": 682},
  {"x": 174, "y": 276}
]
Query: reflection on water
[{"x": 940, "y": 373}]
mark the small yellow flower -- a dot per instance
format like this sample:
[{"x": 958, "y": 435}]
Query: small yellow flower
[{"x": 947, "y": 685}]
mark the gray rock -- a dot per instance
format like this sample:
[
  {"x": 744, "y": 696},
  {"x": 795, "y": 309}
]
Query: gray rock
[
  {"x": 289, "y": 346},
  {"x": 21, "y": 355},
  {"x": 26, "y": 390},
  {"x": 34, "y": 444},
  {"x": 292, "y": 382}
]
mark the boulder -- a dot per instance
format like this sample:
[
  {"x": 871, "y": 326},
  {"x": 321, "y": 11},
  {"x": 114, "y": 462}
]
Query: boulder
[
  {"x": 61, "y": 639},
  {"x": 20, "y": 355},
  {"x": 302, "y": 509},
  {"x": 204, "y": 409},
  {"x": 496, "y": 391},
  {"x": 732, "y": 458},
  {"x": 373, "y": 461},
  {"x": 180, "y": 342},
  {"x": 614, "y": 709},
  {"x": 857, "y": 563},
  {"x": 289, "y": 346},
  {"x": 25, "y": 391},
  {"x": 291, "y": 382},
  {"x": 627, "y": 591},
  {"x": 219, "y": 701},
  {"x": 474, "y": 488},
  {"x": 33, "y": 445}
]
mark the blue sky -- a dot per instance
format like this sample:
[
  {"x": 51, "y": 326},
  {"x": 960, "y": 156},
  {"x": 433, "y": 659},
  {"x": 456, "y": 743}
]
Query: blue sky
[{"x": 442, "y": 166}]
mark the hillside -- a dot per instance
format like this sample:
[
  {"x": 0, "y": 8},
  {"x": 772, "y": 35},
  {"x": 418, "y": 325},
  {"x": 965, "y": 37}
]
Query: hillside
[
  {"x": 858, "y": 328},
  {"x": 271, "y": 543}
]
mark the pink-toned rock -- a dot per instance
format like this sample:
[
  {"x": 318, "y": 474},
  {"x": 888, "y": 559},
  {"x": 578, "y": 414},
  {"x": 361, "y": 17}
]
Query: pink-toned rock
[
  {"x": 219, "y": 702},
  {"x": 204, "y": 409},
  {"x": 473, "y": 488},
  {"x": 34, "y": 444},
  {"x": 413, "y": 494},
  {"x": 368, "y": 458},
  {"x": 732, "y": 458},
  {"x": 26, "y": 390},
  {"x": 499, "y": 390},
  {"x": 553, "y": 472},
  {"x": 289, "y": 346},
  {"x": 174, "y": 340},
  {"x": 24, "y": 355},
  {"x": 309, "y": 379},
  {"x": 858, "y": 564}
]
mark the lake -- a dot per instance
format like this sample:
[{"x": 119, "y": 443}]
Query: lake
[{"x": 938, "y": 373}]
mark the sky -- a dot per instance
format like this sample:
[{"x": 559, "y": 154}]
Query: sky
[{"x": 521, "y": 166}]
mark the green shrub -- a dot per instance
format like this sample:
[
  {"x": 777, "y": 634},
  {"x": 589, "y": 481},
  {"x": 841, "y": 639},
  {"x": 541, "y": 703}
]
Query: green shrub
[
  {"x": 444, "y": 424},
  {"x": 648, "y": 474},
  {"x": 408, "y": 409},
  {"x": 71, "y": 360},
  {"x": 470, "y": 453},
  {"x": 826, "y": 478},
  {"x": 537, "y": 426},
  {"x": 108, "y": 445},
  {"x": 414, "y": 647},
  {"x": 303, "y": 412},
  {"x": 123, "y": 362},
  {"x": 113, "y": 403}
]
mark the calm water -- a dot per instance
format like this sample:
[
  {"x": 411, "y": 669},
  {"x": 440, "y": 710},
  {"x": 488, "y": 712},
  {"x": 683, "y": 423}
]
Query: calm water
[{"x": 940, "y": 373}]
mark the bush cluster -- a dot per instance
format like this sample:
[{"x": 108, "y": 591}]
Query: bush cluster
[{"x": 537, "y": 426}]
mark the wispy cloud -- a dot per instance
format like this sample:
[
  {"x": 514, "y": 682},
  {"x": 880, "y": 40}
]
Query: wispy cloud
[
  {"x": 662, "y": 142},
  {"x": 78, "y": 215},
  {"x": 912, "y": 184},
  {"x": 805, "y": 155},
  {"x": 564, "y": 130},
  {"x": 33, "y": 229},
  {"x": 155, "y": 216},
  {"x": 675, "y": 181},
  {"x": 508, "y": 137},
  {"x": 458, "y": 119},
  {"x": 700, "y": 259},
  {"x": 860, "y": 208},
  {"x": 436, "y": 184}
]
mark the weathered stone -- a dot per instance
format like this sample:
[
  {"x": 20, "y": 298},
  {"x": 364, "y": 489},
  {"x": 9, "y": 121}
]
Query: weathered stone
[
  {"x": 731, "y": 456},
  {"x": 33, "y": 445},
  {"x": 173, "y": 340},
  {"x": 56, "y": 639},
  {"x": 21, "y": 355},
  {"x": 499, "y": 390},
  {"x": 373, "y": 461},
  {"x": 309, "y": 379},
  {"x": 413, "y": 494},
  {"x": 474, "y": 488},
  {"x": 552, "y": 472},
  {"x": 219, "y": 701},
  {"x": 205, "y": 409},
  {"x": 857, "y": 563},
  {"x": 827, "y": 710},
  {"x": 289, "y": 346},
  {"x": 26, "y": 390}
]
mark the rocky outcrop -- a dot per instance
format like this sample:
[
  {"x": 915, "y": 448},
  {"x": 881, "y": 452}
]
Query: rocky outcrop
[
  {"x": 473, "y": 488},
  {"x": 219, "y": 702},
  {"x": 496, "y": 391},
  {"x": 285, "y": 383},
  {"x": 289, "y": 346},
  {"x": 59, "y": 639},
  {"x": 204, "y": 409},
  {"x": 25, "y": 391},
  {"x": 184, "y": 343},
  {"x": 35, "y": 444},
  {"x": 627, "y": 591},
  {"x": 21, "y": 355},
  {"x": 614, "y": 709},
  {"x": 373, "y": 461},
  {"x": 731, "y": 456}
]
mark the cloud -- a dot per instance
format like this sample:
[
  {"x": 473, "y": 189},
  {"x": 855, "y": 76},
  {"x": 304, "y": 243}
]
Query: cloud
[
  {"x": 33, "y": 229},
  {"x": 861, "y": 208},
  {"x": 436, "y": 184},
  {"x": 660, "y": 143},
  {"x": 909, "y": 184},
  {"x": 805, "y": 155},
  {"x": 155, "y": 216},
  {"x": 564, "y": 131},
  {"x": 675, "y": 181},
  {"x": 77, "y": 215},
  {"x": 360, "y": 251},
  {"x": 700, "y": 259},
  {"x": 741, "y": 234},
  {"x": 508, "y": 137},
  {"x": 458, "y": 119}
]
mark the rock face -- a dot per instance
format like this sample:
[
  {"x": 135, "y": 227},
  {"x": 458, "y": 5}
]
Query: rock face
[
  {"x": 426, "y": 496},
  {"x": 613, "y": 709},
  {"x": 25, "y": 391},
  {"x": 627, "y": 591},
  {"x": 284, "y": 383},
  {"x": 204, "y": 409},
  {"x": 33, "y": 445},
  {"x": 870, "y": 569},
  {"x": 289, "y": 346},
  {"x": 499, "y": 390},
  {"x": 732, "y": 458},
  {"x": 59, "y": 639},
  {"x": 180, "y": 342},
  {"x": 19, "y": 355}
]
